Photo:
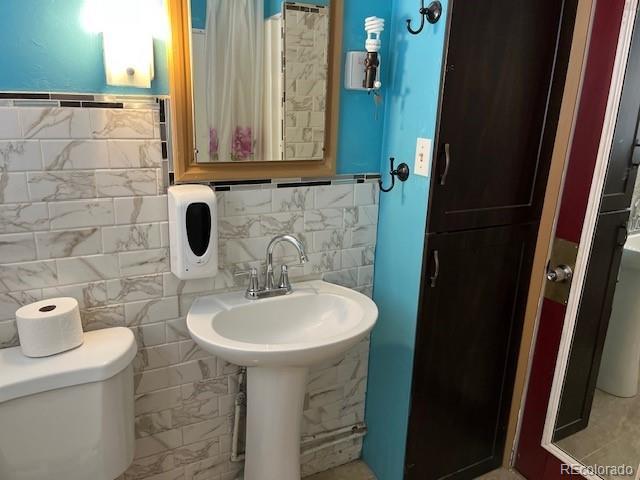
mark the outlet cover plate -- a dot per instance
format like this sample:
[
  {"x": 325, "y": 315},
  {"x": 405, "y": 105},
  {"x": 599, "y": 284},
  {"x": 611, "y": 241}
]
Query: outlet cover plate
[{"x": 423, "y": 157}]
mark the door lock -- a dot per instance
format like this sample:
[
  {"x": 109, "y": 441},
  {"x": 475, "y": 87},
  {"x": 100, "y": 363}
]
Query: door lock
[{"x": 559, "y": 274}]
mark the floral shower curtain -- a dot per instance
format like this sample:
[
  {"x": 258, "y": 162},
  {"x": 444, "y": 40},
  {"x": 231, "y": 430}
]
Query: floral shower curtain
[{"x": 234, "y": 37}]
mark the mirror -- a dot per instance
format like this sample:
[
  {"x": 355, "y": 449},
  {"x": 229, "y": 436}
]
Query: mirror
[
  {"x": 597, "y": 387},
  {"x": 260, "y": 80},
  {"x": 256, "y": 86},
  {"x": 598, "y": 416}
]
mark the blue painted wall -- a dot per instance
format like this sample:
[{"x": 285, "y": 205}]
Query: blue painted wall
[
  {"x": 361, "y": 121},
  {"x": 412, "y": 101},
  {"x": 45, "y": 48},
  {"x": 199, "y": 13},
  {"x": 271, "y": 7}
]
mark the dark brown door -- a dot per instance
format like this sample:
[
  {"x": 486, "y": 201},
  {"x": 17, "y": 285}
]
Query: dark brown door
[
  {"x": 473, "y": 298},
  {"x": 625, "y": 152},
  {"x": 504, "y": 78},
  {"x": 591, "y": 324},
  {"x": 503, "y": 85}
]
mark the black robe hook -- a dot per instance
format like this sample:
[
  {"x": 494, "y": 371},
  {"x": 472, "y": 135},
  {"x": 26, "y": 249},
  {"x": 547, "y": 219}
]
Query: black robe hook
[
  {"x": 402, "y": 172},
  {"x": 432, "y": 13}
]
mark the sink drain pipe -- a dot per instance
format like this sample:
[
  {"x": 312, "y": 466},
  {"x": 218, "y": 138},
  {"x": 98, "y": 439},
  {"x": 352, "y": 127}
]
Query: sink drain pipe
[
  {"x": 240, "y": 404},
  {"x": 358, "y": 428},
  {"x": 344, "y": 434}
]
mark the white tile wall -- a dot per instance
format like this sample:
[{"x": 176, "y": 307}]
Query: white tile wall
[
  {"x": 83, "y": 214},
  {"x": 306, "y": 50},
  {"x": 634, "y": 219}
]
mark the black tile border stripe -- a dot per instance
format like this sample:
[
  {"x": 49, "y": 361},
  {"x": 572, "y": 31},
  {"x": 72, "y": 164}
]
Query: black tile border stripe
[
  {"x": 82, "y": 100},
  {"x": 266, "y": 184},
  {"x": 73, "y": 104},
  {"x": 304, "y": 7},
  {"x": 162, "y": 111},
  {"x": 24, "y": 96},
  {"x": 72, "y": 96},
  {"x": 230, "y": 183},
  {"x": 304, "y": 184},
  {"x": 102, "y": 105}
]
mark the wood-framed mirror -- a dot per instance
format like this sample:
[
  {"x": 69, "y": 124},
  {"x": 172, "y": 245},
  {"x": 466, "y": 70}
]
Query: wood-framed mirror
[{"x": 273, "y": 116}]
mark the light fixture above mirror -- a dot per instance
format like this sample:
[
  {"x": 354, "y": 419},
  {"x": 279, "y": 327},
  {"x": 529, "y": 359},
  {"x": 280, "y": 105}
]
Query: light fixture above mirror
[{"x": 128, "y": 28}]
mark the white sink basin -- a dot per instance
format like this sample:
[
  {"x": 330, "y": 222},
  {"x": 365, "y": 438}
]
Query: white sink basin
[
  {"x": 316, "y": 322},
  {"x": 278, "y": 339}
]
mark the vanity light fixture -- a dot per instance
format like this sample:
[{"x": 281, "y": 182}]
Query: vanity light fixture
[
  {"x": 128, "y": 58},
  {"x": 432, "y": 13},
  {"x": 128, "y": 28}
]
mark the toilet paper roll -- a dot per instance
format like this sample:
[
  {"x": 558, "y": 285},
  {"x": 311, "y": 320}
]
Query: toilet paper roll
[{"x": 49, "y": 326}]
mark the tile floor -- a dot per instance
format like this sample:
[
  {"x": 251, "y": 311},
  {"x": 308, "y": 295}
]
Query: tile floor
[
  {"x": 351, "y": 471},
  {"x": 502, "y": 474},
  {"x": 613, "y": 434},
  {"x": 359, "y": 471}
]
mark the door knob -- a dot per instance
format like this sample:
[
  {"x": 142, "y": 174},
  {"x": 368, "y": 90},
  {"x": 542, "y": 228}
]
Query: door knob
[{"x": 559, "y": 274}]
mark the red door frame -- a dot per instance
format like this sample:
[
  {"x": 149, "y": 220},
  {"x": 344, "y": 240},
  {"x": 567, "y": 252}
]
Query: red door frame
[{"x": 533, "y": 460}]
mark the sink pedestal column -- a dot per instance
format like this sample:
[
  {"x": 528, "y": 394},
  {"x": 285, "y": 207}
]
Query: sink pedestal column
[{"x": 275, "y": 400}]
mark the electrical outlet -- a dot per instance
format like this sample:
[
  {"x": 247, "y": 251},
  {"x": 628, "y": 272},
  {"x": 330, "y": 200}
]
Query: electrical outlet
[{"x": 423, "y": 157}]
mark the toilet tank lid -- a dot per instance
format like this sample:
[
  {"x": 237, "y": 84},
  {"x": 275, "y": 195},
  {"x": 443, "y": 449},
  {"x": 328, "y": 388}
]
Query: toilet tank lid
[{"x": 103, "y": 354}]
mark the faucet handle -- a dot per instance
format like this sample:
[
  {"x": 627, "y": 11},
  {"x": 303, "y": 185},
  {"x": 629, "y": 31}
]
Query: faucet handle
[
  {"x": 246, "y": 273},
  {"x": 284, "y": 278},
  {"x": 254, "y": 284}
]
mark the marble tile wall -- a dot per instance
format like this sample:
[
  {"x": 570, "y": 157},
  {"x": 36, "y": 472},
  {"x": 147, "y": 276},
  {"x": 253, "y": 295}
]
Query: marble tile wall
[
  {"x": 634, "y": 219},
  {"x": 83, "y": 214},
  {"x": 306, "y": 30}
]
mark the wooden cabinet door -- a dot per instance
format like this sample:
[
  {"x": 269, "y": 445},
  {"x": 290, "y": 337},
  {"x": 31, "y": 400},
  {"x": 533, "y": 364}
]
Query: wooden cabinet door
[
  {"x": 591, "y": 324},
  {"x": 469, "y": 324},
  {"x": 503, "y": 83},
  {"x": 625, "y": 152}
]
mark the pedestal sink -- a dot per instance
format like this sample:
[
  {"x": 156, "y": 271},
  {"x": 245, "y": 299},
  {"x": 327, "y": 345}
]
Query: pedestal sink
[{"x": 278, "y": 339}]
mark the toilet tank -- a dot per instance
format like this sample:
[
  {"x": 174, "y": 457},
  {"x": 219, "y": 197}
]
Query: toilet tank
[{"x": 69, "y": 416}]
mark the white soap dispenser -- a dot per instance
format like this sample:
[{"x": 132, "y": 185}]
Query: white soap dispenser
[{"x": 193, "y": 231}]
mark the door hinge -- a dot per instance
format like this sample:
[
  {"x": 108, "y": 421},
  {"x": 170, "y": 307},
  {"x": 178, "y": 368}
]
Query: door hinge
[{"x": 560, "y": 270}]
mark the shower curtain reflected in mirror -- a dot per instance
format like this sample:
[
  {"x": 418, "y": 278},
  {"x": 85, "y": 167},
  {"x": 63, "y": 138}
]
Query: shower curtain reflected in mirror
[{"x": 234, "y": 70}]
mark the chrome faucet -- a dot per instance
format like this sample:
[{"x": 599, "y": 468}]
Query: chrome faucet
[{"x": 270, "y": 289}]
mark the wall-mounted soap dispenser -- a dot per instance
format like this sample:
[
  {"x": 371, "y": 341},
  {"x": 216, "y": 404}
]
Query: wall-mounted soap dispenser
[{"x": 193, "y": 231}]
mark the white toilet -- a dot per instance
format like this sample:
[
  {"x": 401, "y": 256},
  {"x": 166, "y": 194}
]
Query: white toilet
[
  {"x": 620, "y": 366},
  {"x": 69, "y": 416}
]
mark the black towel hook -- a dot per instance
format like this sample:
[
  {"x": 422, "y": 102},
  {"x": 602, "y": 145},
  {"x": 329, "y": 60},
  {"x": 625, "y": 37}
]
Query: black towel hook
[
  {"x": 432, "y": 13},
  {"x": 402, "y": 172}
]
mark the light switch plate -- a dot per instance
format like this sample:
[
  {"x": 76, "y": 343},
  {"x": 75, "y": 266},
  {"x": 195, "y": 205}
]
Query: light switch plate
[{"x": 423, "y": 157}]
